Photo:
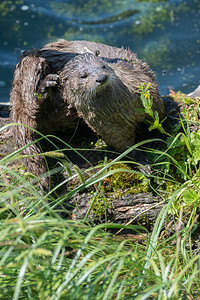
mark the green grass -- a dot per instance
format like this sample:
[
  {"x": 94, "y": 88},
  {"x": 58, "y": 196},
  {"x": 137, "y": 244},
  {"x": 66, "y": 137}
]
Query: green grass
[{"x": 46, "y": 256}]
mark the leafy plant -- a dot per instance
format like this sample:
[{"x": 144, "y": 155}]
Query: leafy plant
[
  {"x": 147, "y": 101},
  {"x": 45, "y": 256}
]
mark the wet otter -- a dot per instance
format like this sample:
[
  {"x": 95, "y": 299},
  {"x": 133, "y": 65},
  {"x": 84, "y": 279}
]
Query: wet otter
[{"x": 67, "y": 81}]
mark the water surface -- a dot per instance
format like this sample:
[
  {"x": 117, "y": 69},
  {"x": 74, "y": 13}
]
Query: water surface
[{"x": 166, "y": 34}]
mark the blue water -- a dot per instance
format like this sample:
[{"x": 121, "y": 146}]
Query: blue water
[{"x": 165, "y": 34}]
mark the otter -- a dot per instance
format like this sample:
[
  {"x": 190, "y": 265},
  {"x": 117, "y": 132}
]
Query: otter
[{"x": 70, "y": 81}]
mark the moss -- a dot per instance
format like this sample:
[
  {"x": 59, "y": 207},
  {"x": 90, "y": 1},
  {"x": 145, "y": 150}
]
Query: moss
[
  {"x": 125, "y": 181},
  {"x": 100, "y": 205},
  {"x": 190, "y": 107}
]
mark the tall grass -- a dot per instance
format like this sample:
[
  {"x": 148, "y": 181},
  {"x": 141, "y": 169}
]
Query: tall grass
[{"x": 45, "y": 256}]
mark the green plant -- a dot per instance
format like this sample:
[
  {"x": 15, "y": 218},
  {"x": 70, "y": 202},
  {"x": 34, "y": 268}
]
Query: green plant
[
  {"x": 147, "y": 101},
  {"x": 45, "y": 256}
]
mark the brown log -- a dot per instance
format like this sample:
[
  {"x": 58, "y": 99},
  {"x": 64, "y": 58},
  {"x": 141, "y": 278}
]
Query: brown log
[{"x": 141, "y": 208}]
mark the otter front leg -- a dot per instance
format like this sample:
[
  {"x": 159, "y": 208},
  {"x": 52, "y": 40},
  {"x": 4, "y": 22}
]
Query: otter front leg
[
  {"x": 45, "y": 88},
  {"x": 124, "y": 143},
  {"x": 143, "y": 161}
]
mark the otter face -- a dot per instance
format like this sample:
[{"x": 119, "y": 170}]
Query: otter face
[
  {"x": 97, "y": 75},
  {"x": 84, "y": 77},
  {"x": 94, "y": 75}
]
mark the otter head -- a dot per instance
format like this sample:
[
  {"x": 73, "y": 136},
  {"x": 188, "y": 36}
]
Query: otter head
[{"x": 85, "y": 77}]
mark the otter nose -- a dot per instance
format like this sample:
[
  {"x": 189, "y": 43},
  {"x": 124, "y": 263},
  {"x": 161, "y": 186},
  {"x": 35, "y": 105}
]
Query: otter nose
[{"x": 102, "y": 78}]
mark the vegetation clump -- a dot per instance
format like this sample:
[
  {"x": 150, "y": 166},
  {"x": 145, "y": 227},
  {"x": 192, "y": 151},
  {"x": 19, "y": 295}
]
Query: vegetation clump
[{"x": 44, "y": 255}]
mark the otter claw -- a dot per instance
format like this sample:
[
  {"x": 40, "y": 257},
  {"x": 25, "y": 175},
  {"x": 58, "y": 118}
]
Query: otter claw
[{"x": 51, "y": 80}]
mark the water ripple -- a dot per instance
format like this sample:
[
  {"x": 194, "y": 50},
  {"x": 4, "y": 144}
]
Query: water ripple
[{"x": 112, "y": 19}]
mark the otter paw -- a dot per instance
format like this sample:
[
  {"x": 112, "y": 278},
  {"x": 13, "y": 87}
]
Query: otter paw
[{"x": 50, "y": 81}]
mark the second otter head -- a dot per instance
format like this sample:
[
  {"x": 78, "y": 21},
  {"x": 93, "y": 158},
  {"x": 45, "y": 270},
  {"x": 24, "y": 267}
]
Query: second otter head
[{"x": 84, "y": 76}]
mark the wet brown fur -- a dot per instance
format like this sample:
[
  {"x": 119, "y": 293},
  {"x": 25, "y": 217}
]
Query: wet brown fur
[{"x": 92, "y": 82}]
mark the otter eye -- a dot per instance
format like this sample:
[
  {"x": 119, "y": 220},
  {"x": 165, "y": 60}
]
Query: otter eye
[
  {"x": 103, "y": 67},
  {"x": 97, "y": 53},
  {"x": 85, "y": 75}
]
